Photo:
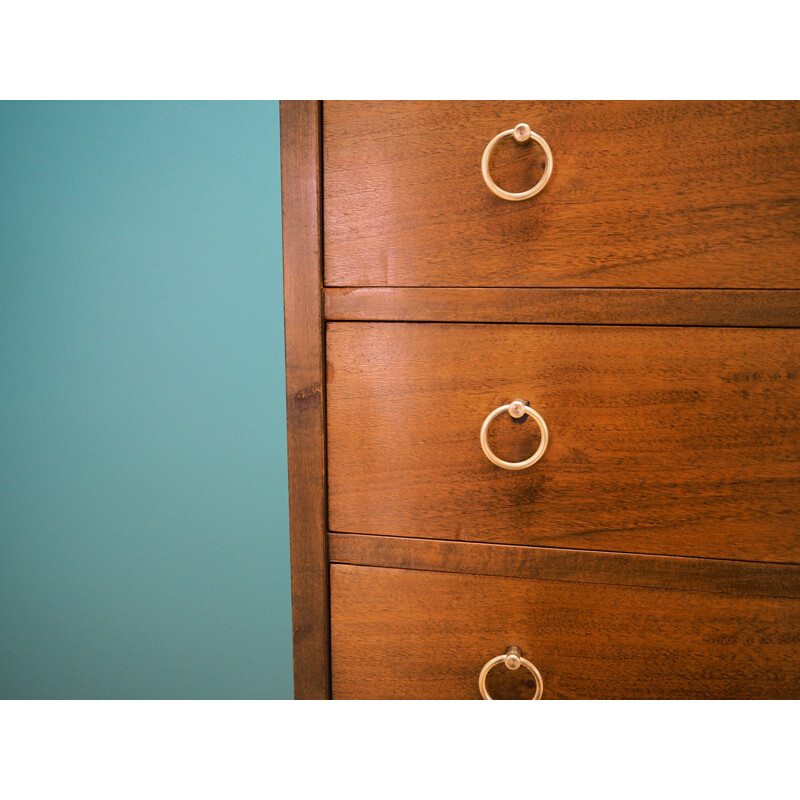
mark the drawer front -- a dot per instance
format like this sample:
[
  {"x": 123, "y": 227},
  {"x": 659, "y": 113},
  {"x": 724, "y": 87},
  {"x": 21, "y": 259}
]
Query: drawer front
[
  {"x": 673, "y": 441},
  {"x": 399, "y": 634},
  {"x": 642, "y": 194}
]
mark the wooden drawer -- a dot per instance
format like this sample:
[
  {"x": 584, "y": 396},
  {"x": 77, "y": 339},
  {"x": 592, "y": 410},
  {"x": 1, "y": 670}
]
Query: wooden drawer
[
  {"x": 675, "y": 441},
  {"x": 645, "y": 303},
  {"x": 643, "y": 194},
  {"x": 406, "y": 634}
]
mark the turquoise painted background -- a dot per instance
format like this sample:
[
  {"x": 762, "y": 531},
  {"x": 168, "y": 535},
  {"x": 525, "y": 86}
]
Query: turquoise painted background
[{"x": 144, "y": 548}]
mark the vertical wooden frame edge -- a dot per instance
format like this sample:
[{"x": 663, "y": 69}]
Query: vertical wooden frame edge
[{"x": 301, "y": 196}]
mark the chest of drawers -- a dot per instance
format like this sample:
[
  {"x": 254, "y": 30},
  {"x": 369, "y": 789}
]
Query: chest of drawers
[{"x": 634, "y": 324}]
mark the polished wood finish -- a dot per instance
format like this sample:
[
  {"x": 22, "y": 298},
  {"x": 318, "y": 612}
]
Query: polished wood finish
[
  {"x": 398, "y": 634},
  {"x": 558, "y": 564},
  {"x": 644, "y": 303},
  {"x": 668, "y": 441},
  {"x": 643, "y": 194},
  {"x": 305, "y": 395},
  {"x": 710, "y": 307}
]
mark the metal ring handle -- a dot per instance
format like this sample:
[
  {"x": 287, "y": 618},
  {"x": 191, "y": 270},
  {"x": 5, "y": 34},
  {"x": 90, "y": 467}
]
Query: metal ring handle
[
  {"x": 516, "y": 409},
  {"x": 521, "y": 133},
  {"x": 513, "y": 660}
]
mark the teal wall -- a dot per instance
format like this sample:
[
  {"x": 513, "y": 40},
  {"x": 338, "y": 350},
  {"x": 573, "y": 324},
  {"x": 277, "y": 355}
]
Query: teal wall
[{"x": 144, "y": 548}]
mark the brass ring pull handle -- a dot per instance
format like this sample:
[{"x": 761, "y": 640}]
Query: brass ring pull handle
[
  {"x": 513, "y": 660},
  {"x": 516, "y": 410},
  {"x": 521, "y": 133}
]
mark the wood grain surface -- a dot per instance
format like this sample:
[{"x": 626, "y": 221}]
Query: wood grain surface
[
  {"x": 399, "y": 634},
  {"x": 305, "y": 392},
  {"x": 558, "y": 564},
  {"x": 666, "y": 441},
  {"x": 643, "y": 194},
  {"x": 756, "y": 308}
]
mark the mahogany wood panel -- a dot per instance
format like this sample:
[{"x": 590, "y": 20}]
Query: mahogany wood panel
[
  {"x": 670, "y": 441},
  {"x": 709, "y": 307},
  {"x": 582, "y": 566},
  {"x": 305, "y": 408},
  {"x": 643, "y": 194},
  {"x": 398, "y": 634}
]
